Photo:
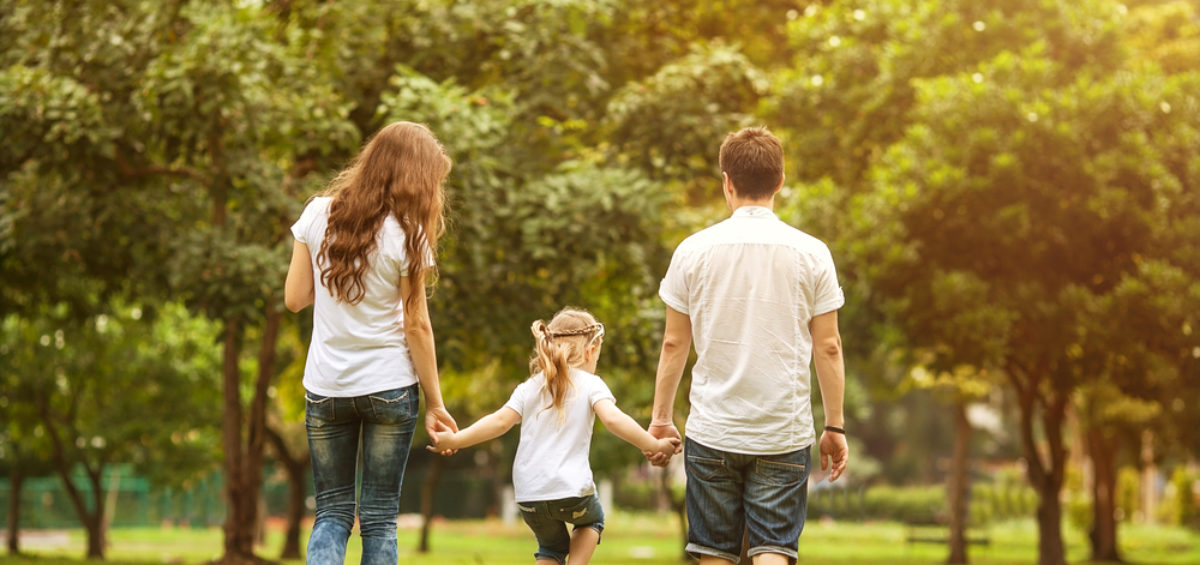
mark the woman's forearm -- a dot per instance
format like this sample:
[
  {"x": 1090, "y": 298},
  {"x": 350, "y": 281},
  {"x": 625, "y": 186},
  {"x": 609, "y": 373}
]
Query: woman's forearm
[{"x": 424, "y": 357}]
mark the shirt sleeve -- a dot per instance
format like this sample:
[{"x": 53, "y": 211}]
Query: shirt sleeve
[
  {"x": 401, "y": 254},
  {"x": 300, "y": 229},
  {"x": 828, "y": 293},
  {"x": 599, "y": 391},
  {"x": 673, "y": 290},
  {"x": 519, "y": 398}
]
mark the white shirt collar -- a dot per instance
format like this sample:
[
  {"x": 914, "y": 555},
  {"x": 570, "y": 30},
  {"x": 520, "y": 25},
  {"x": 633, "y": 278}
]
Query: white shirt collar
[{"x": 753, "y": 212}]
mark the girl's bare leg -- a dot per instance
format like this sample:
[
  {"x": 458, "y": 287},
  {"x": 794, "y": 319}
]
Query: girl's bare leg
[
  {"x": 583, "y": 545},
  {"x": 545, "y": 562}
]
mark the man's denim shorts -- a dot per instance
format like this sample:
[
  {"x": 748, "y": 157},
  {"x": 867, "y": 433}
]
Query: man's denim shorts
[
  {"x": 729, "y": 493},
  {"x": 549, "y": 518}
]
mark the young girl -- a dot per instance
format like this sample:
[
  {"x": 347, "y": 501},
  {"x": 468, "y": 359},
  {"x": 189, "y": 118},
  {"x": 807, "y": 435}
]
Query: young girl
[
  {"x": 362, "y": 252},
  {"x": 556, "y": 408}
]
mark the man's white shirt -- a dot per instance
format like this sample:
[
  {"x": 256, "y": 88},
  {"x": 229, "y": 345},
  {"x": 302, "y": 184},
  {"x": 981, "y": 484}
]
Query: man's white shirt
[{"x": 751, "y": 284}]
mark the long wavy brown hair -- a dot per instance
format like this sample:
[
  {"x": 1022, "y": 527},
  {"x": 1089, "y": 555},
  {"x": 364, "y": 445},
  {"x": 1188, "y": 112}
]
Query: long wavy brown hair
[
  {"x": 400, "y": 172},
  {"x": 560, "y": 345}
]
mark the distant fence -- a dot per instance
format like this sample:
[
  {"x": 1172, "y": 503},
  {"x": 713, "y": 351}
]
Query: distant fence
[{"x": 45, "y": 504}]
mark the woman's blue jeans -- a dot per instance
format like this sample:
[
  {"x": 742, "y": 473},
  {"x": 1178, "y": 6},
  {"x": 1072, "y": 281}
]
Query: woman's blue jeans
[{"x": 383, "y": 423}]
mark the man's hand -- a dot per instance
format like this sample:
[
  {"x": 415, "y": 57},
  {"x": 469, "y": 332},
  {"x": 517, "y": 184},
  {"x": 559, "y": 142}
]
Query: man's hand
[
  {"x": 667, "y": 431},
  {"x": 834, "y": 454}
]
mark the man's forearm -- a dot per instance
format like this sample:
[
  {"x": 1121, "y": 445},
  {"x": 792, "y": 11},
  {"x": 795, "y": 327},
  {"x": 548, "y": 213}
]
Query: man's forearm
[
  {"x": 677, "y": 344},
  {"x": 666, "y": 384},
  {"x": 831, "y": 375}
]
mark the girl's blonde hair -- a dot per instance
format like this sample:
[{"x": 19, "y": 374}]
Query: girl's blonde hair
[
  {"x": 560, "y": 345},
  {"x": 399, "y": 172}
]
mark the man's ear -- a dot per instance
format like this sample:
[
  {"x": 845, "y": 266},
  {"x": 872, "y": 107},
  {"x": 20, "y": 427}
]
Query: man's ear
[
  {"x": 726, "y": 184},
  {"x": 782, "y": 179}
]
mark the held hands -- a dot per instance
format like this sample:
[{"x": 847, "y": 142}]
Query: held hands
[
  {"x": 670, "y": 443},
  {"x": 440, "y": 426},
  {"x": 834, "y": 454},
  {"x": 444, "y": 442},
  {"x": 667, "y": 447}
]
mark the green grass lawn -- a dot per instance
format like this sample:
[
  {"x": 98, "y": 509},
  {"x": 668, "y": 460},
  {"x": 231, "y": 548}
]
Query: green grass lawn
[{"x": 634, "y": 539}]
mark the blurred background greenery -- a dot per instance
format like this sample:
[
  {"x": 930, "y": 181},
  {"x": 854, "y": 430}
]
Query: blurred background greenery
[{"x": 1011, "y": 190}]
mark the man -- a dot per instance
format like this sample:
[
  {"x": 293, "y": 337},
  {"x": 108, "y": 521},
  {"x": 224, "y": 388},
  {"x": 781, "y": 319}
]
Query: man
[{"x": 760, "y": 299}]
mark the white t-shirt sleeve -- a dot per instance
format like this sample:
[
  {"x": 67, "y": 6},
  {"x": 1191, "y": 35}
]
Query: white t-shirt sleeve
[
  {"x": 519, "y": 398},
  {"x": 599, "y": 391},
  {"x": 400, "y": 253},
  {"x": 674, "y": 289},
  {"x": 302, "y": 229},
  {"x": 828, "y": 293}
]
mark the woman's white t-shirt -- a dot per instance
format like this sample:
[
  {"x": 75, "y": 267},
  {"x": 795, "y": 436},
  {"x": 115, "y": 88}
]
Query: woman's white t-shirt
[
  {"x": 357, "y": 349},
  {"x": 552, "y": 457}
]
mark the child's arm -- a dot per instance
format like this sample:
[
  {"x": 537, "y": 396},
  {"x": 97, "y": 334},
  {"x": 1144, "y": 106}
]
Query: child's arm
[
  {"x": 486, "y": 428},
  {"x": 628, "y": 429}
]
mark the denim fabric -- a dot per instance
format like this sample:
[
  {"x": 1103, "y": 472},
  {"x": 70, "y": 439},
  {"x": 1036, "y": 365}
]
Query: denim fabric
[
  {"x": 549, "y": 518},
  {"x": 383, "y": 423},
  {"x": 728, "y": 493}
]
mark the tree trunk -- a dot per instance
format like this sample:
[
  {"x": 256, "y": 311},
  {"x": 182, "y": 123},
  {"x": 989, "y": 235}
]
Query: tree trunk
[
  {"x": 428, "y": 489},
  {"x": 959, "y": 485},
  {"x": 296, "y": 467},
  {"x": 1103, "y": 449},
  {"x": 1050, "y": 541},
  {"x": 1149, "y": 479},
  {"x": 295, "y": 515},
  {"x": 239, "y": 522},
  {"x": 1045, "y": 473},
  {"x": 243, "y": 467},
  {"x": 96, "y": 530},
  {"x": 92, "y": 521},
  {"x": 679, "y": 506},
  {"x": 15, "y": 480}
]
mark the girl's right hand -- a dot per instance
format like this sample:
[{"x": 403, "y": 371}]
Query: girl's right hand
[
  {"x": 666, "y": 448},
  {"x": 443, "y": 443}
]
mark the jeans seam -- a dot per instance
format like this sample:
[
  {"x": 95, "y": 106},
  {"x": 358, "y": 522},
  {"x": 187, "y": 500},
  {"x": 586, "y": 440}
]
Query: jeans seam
[{"x": 800, "y": 466}]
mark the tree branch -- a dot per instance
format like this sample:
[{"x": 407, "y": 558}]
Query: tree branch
[
  {"x": 1026, "y": 402},
  {"x": 131, "y": 172},
  {"x": 60, "y": 460}
]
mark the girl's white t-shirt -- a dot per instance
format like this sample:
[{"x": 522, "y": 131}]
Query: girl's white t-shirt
[
  {"x": 552, "y": 457},
  {"x": 357, "y": 349}
]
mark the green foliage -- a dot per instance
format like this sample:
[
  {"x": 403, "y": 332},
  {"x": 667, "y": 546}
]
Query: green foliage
[
  {"x": 83, "y": 378},
  {"x": 849, "y": 94},
  {"x": 673, "y": 121},
  {"x": 998, "y": 181},
  {"x": 1179, "y": 503}
]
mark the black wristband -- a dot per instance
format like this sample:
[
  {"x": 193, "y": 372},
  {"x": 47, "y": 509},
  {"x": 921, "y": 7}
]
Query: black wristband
[{"x": 835, "y": 430}]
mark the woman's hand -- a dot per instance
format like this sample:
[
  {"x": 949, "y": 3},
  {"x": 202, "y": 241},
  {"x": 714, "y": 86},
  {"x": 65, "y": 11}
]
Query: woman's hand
[
  {"x": 437, "y": 422},
  {"x": 444, "y": 443}
]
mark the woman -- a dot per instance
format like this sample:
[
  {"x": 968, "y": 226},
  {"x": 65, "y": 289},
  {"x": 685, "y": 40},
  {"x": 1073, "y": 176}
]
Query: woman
[{"x": 362, "y": 252}]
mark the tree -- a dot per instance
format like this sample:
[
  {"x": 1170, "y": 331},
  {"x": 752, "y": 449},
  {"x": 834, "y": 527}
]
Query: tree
[
  {"x": 85, "y": 377},
  {"x": 123, "y": 114},
  {"x": 24, "y": 450},
  {"x": 1025, "y": 198}
]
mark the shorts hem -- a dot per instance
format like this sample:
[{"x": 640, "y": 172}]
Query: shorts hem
[
  {"x": 789, "y": 553},
  {"x": 696, "y": 550},
  {"x": 598, "y": 526},
  {"x": 561, "y": 560}
]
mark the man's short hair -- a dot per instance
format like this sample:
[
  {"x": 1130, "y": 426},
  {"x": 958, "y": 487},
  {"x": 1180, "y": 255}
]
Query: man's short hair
[{"x": 753, "y": 159}]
